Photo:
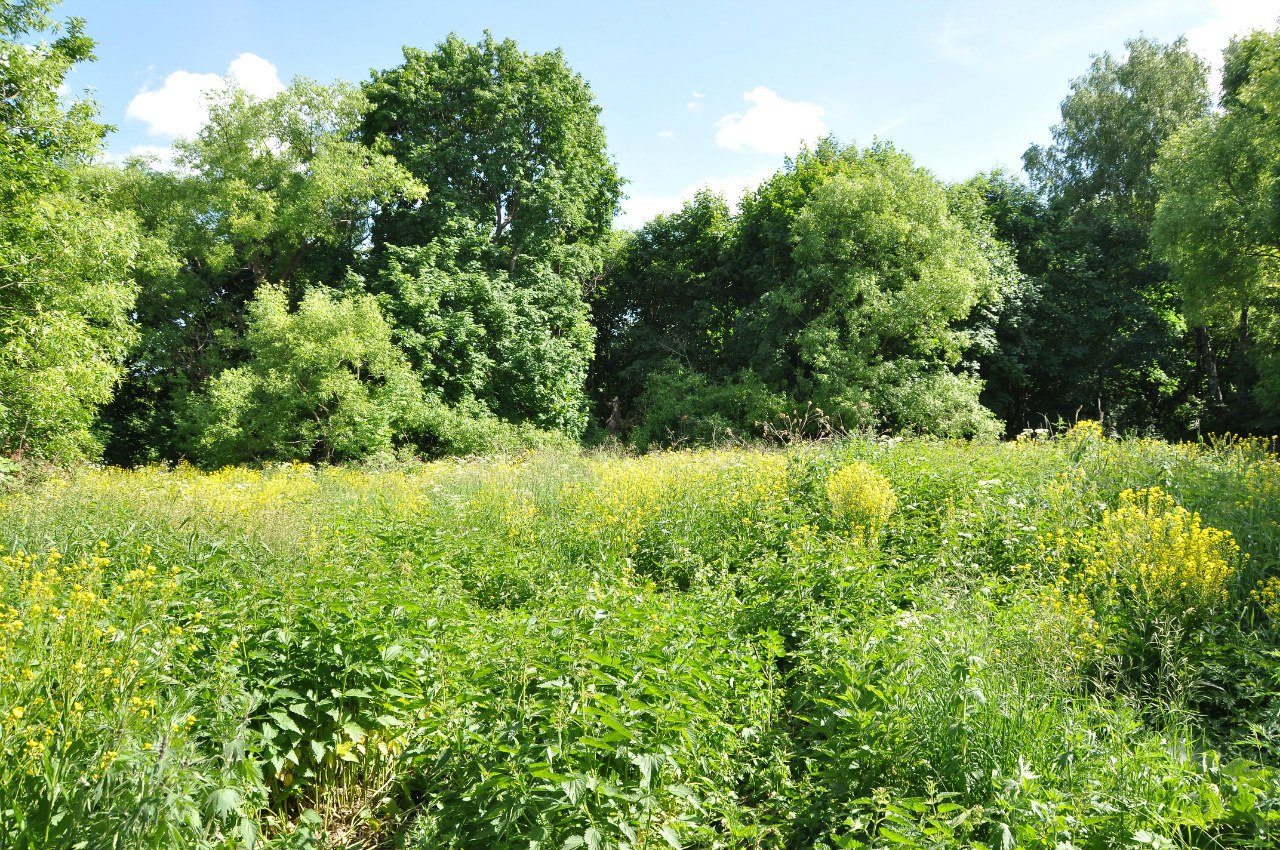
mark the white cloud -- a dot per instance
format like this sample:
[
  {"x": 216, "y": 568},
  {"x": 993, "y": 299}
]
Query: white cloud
[
  {"x": 772, "y": 124},
  {"x": 1230, "y": 18},
  {"x": 180, "y": 107},
  {"x": 637, "y": 211},
  {"x": 666, "y": 134},
  {"x": 255, "y": 75},
  {"x": 695, "y": 104}
]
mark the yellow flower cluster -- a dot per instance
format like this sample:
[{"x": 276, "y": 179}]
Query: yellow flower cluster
[
  {"x": 1243, "y": 450},
  {"x": 1084, "y": 431},
  {"x": 1262, "y": 486},
  {"x": 81, "y": 638},
  {"x": 49, "y": 592},
  {"x": 1267, "y": 595},
  {"x": 860, "y": 499},
  {"x": 1161, "y": 553},
  {"x": 1068, "y": 625},
  {"x": 625, "y": 496}
]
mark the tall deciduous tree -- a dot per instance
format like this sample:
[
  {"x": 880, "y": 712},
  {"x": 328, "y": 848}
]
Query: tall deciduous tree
[
  {"x": 1113, "y": 123},
  {"x": 844, "y": 282},
  {"x": 485, "y": 277},
  {"x": 506, "y": 140},
  {"x": 889, "y": 265},
  {"x": 482, "y": 339},
  {"x": 1218, "y": 223},
  {"x": 1106, "y": 300},
  {"x": 1005, "y": 344},
  {"x": 665, "y": 298},
  {"x": 277, "y": 191},
  {"x": 65, "y": 293}
]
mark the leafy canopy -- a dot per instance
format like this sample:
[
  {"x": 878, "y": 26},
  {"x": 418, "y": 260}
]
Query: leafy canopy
[
  {"x": 485, "y": 277},
  {"x": 1106, "y": 301},
  {"x": 65, "y": 294},
  {"x": 508, "y": 141},
  {"x": 1217, "y": 224},
  {"x": 277, "y": 191},
  {"x": 843, "y": 282},
  {"x": 322, "y": 383}
]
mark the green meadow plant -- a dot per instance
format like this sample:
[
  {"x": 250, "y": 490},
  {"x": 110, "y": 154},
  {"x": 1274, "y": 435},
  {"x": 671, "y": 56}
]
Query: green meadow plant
[{"x": 1055, "y": 642}]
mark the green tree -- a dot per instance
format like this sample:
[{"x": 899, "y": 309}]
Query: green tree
[
  {"x": 889, "y": 265},
  {"x": 485, "y": 277},
  {"x": 844, "y": 282},
  {"x": 1106, "y": 300},
  {"x": 1113, "y": 123},
  {"x": 65, "y": 293},
  {"x": 1005, "y": 344},
  {"x": 1217, "y": 226},
  {"x": 323, "y": 383},
  {"x": 274, "y": 191},
  {"x": 665, "y": 298},
  {"x": 515, "y": 346},
  {"x": 506, "y": 140}
]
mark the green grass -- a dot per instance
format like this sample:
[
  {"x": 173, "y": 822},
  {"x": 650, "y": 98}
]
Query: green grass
[{"x": 676, "y": 650}]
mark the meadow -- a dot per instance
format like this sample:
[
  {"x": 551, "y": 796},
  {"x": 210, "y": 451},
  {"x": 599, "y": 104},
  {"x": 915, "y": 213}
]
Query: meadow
[{"x": 1057, "y": 642}]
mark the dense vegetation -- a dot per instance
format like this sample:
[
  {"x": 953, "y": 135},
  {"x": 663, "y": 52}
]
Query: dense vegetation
[
  {"x": 285, "y": 627},
  {"x": 457, "y": 210},
  {"x": 1041, "y": 643}
]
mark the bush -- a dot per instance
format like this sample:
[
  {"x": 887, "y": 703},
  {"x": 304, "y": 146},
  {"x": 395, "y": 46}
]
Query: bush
[
  {"x": 470, "y": 429},
  {"x": 323, "y": 383},
  {"x": 860, "y": 500},
  {"x": 683, "y": 407}
]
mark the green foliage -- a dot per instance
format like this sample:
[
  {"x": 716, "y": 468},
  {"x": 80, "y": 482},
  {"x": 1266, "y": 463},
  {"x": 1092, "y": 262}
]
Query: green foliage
[
  {"x": 1216, "y": 225},
  {"x": 65, "y": 296},
  {"x": 1002, "y": 335},
  {"x": 665, "y": 296},
  {"x": 281, "y": 177},
  {"x": 674, "y": 649},
  {"x": 682, "y": 406},
  {"x": 842, "y": 283},
  {"x": 507, "y": 141},
  {"x": 276, "y": 191},
  {"x": 465, "y": 429},
  {"x": 1113, "y": 123},
  {"x": 887, "y": 268},
  {"x": 322, "y": 383},
  {"x": 512, "y": 346},
  {"x": 484, "y": 278},
  {"x": 1108, "y": 304}
]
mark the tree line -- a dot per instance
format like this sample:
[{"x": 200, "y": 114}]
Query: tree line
[{"x": 425, "y": 263}]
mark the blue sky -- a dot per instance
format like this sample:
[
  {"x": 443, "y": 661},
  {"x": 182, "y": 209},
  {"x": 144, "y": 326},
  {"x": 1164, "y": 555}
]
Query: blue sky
[{"x": 693, "y": 93}]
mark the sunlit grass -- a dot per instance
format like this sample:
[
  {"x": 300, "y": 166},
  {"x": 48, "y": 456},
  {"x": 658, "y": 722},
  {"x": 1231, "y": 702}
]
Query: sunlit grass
[{"x": 924, "y": 642}]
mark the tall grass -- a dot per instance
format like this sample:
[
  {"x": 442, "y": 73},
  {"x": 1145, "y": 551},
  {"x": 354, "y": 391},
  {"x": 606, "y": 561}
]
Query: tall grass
[{"x": 1047, "y": 643}]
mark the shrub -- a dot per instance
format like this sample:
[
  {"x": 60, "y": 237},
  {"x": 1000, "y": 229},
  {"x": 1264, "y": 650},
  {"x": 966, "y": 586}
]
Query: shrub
[
  {"x": 323, "y": 383},
  {"x": 680, "y": 406},
  {"x": 860, "y": 500},
  {"x": 469, "y": 428},
  {"x": 1157, "y": 555}
]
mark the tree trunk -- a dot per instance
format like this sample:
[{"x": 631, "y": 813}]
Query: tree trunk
[{"x": 1210, "y": 364}]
